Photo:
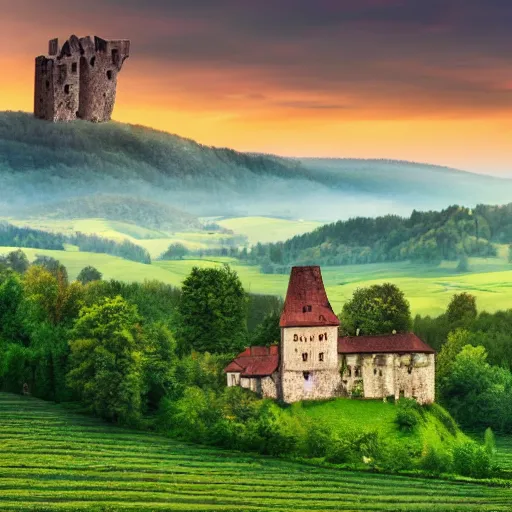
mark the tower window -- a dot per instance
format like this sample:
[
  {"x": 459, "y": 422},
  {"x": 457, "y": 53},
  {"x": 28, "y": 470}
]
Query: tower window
[
  {"x": 115, "y": 57},
  {"x": 321, "y": 356},
  {"x": 66, "y": 88},
  {"x": 92, "y": 61},
  {"x": 325, "y": 336},
  {"x": 47, "y": 84},
  {"x": 306, "y": 375},
  {"x": 320, "y": 337},
  {"x": 74, "y": 67},
  {"x": 295, "y": 337},
  {"x": 304, "y": 356},
  {"x": 109, "y": 74}
]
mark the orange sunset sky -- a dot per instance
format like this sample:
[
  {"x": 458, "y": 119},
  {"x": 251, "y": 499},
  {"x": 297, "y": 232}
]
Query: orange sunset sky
[{"x": 419, "y": 80}]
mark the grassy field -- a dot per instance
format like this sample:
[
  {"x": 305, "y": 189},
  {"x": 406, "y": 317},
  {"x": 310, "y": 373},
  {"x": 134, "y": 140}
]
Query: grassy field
[
  {"x": 54, "y": 460},
  {"x": 429, "y": 289},
  {"x": 267, "y": 229}
]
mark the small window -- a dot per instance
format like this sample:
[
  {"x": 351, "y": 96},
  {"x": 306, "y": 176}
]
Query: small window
[
  {"x": 357, "y": 371},
  {"x": 375, "y": 371},
  {"x": 304, "y": 356},
  {"x": 92, "y": 61},
  {"x": 47, "y": 84},
  {"x": 325, "y": 336},
  {"x": 307, "y": 309},
  {"x": 306, "y": 375},
  {"x": 349, "y": 371},
  {"x": 109, "y": 74},
  {"x": 409, "y": 370},
  {"x": 321, "y": 318},
  {"x": 67, "y": 88},
  {"x": 300, "y": 338},
  {"x": 380, "y": 373},
  {"x": 320, "y": 337},
  {"x": 311, "y": 338},
  {"x": 321, "y": 356},
  {"x": 74, "y": 67},
  {"x": 295, "y": 337},
  {"x": 233, "y": 380},
  {"x": 115, "y": 57}
]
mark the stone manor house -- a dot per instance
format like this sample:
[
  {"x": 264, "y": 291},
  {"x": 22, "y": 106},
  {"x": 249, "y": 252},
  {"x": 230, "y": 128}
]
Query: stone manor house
[{"x": 313, "y": 362}]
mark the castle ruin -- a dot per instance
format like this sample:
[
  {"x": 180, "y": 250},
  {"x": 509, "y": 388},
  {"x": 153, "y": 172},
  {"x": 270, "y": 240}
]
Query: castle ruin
[{"x": 79, "y": 80}]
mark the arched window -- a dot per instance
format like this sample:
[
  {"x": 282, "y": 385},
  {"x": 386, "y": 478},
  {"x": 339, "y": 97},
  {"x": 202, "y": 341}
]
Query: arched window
[
  {"x": 320, "y": 337},
  {"x": 305, "y": 356},
  {"x": 295, "y": 337},
  {"x": 321, "y": 356}
]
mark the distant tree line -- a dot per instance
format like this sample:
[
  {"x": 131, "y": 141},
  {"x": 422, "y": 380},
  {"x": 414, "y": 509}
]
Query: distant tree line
[
  {"x": 13, "y": 236},
  {"x": 430, "y": 237}
]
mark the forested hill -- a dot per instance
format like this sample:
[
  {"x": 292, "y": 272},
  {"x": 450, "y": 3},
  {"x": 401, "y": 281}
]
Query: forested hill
[
  {"x": 43, "y": 162},
  {"x": 453, "y": 233}
]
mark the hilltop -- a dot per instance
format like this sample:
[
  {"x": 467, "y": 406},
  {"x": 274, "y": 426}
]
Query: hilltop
[{"x": 43, "y": 162}]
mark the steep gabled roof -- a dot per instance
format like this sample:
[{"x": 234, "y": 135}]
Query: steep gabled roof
[
  {"x": 306, "y": 302},
  {"x": 255, "y": 362},
  {"x": 406, "y": 342}
]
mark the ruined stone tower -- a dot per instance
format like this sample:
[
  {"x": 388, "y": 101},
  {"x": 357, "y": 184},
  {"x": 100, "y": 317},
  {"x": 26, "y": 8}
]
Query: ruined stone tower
[
  {"x": 309, "y": 339},
  {"x": 79, "y": 80}
]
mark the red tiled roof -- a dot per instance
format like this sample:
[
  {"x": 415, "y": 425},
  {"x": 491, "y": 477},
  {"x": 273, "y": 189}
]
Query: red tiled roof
[
  {"x": 255, "y": 362},
  {"x": 306, "y": 302},
  {"x": 407, "y": 342}
]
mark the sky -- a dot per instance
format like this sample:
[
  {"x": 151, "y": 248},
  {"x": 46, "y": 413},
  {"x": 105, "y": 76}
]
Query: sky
[{"x": 421, "y": 80}]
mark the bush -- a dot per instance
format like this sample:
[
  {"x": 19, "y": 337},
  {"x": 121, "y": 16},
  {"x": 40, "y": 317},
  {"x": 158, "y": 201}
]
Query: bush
[
  {"x": 490, "y": 442},
  {"x": 469, "y": 459},
  {"x": 407, "y": 415},
  {"x": 435, "y": 461},
  {"x": 395, "y": 456},
  {"x": 318, "y": 439}
]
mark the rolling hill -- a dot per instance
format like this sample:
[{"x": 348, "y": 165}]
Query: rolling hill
[{"x": 45, "y": 163}]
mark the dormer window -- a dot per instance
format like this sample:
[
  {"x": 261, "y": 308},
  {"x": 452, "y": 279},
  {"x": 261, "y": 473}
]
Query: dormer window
[
  {"x": 307, "y": 309},
  {"x": 321, "y": 318}
]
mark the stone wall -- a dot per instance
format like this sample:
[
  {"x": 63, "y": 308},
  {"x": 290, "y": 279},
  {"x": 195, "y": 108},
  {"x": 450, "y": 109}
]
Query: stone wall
[
  {"x": 309, "y": 363},
  {"x": 383, "y": 375}
]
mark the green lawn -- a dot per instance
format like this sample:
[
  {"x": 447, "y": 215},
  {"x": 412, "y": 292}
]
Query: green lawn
[{"x": 54, "y": 460}]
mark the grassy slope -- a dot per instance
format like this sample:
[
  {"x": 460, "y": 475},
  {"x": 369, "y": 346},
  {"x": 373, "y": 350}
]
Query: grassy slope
[
  {"x": 361, "y": 415},
  {"x": 268, "y": 229},
  {"x": 51, "y": 459}
]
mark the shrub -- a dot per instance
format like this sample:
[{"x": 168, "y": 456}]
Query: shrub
[
  {"x": 490, "y": 442},
  {"x": 407, "y": 415},
  {"x": 435, "y": 461},
  {"x": 469, "y": 459},
  {"x": 318, "y": 439},
  {"x": 395, "y": 456}
]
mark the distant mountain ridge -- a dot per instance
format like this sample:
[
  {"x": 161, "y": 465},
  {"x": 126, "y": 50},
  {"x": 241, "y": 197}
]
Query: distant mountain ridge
[{"x": 43, "y": 163}]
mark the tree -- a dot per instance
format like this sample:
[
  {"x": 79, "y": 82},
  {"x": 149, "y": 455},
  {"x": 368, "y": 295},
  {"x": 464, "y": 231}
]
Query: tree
[
  {"x": 89, "y": 274},
  {"x": 378, "y": 309},
  {"x": 463, "y": 265},
  {"x": 510, "y": 253},
  {"x": 175, "y": 251},
  {"x": 268, "y": 332},
  {"x": 53, "y": 266},
  {"x": 212, "y": 312},
  {"x": 462, "y": 308},
  {"x": 445, "y": 360},
  {"x": 105, "y": 362},
  {"x": 17, "y": 261}
]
